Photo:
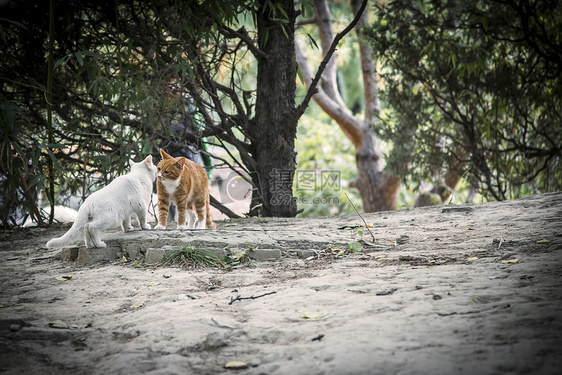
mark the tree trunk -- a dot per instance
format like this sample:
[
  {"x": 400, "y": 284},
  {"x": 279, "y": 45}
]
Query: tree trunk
[
  {"x": 378, "y": 190},
  {"x": 272, "y": 132},
  {"x": 49, "y": 96}
]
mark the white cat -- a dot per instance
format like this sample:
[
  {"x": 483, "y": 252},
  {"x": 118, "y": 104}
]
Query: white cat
[
  {"x": 63, "y": 214},
  {"x": 112, "y": 206}
]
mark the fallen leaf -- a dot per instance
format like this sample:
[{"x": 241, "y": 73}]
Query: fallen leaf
[
  {"x": 374, "y": 246},
  {"x": 167, "y": 275},
  {"x": 191, "y": 296},
  {"x": 471, "y": 228},
  {"x": 236, "y": 365},
  {"x": 154, "y": 283},
  {"x": 124, "y": 259},
  {"x": 137, "y": 305},
  {"x": 63, "y": 277},
  {"x": 471, "y": 259},
  {"x": 314, "y": 316},
  {"x": 220, "y": 324},
  {"x": 510, "y": 261},
  {"x": 402, "y": 239},
  {"x": 58, "y": 324},
  {"x": 387, "y": 292},
  {"x": 543, "y": 241},
  {"x": 356, "y": 226}
]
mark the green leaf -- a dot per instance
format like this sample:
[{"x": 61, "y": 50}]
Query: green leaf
[
  {"x": 354, "y": 247},
  {"x": 90, "y": 53},
  {"x": 58, "y": 324},
  {"x": 312, "y": 41},
  {"x": 61, "y": 61},
  {"x": 280, "y": 7},
  {"x": 55, "y": 161},
  {"x": 37, "y": 181},
  {"x": 79, "y": 58}
]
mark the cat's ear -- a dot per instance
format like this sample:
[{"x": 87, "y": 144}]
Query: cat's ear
[
  {"x": 148, "y": 160},
  {"x": 131, "y": 163},
  {"x": 181, "y": 162},
  {"x": 165, "y": 155}
]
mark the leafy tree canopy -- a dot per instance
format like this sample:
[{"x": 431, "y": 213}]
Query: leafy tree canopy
[
  {"x": 473, "y": 87},
  {"x": 124, "y": 74}
]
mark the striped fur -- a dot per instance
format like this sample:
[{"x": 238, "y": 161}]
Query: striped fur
[{"x": 184, "y": 183}]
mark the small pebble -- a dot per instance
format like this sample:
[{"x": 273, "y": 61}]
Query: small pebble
[{"x": 15, "y": 328}]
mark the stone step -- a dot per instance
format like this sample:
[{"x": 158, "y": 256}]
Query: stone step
[{"x": 152, "y": 247}]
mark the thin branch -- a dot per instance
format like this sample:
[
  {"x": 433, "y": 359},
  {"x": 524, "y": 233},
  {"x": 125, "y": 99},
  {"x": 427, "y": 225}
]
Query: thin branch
[
  {"x": 222, "y": 208},
  {"x": 341, "y": 114},
  {"x": 307, "y": 21},
  {"x": 312, "y": 88},
  {"x": 240, "y": 298},
  {"x": 242, "y": 34},
  {"x": 364, "y": 222},
  {"x": 325, "y": 30}
]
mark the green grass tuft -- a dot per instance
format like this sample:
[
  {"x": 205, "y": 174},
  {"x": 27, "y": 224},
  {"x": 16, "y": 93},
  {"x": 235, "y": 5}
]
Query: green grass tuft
[{"x": 189, "y": 256}]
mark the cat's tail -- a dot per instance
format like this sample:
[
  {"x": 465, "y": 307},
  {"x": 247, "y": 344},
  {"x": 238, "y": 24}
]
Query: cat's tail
[
  {"x": 208, "y": 222},
  {"x": 74, "y": 234}
]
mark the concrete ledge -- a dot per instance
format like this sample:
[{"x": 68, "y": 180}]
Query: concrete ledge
[
  {"x": 152, "y": 247},
  {"x": 157, "y": 255},
  {"x": 69, "y": 254},
  {"x": 264, "y": 254},
  {"x": 305, "y": 253},
  {"x": 86, "y": 257}
]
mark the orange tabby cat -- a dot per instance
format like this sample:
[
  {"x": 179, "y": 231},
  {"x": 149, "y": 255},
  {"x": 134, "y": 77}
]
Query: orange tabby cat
[{"x": 184, "y": 183}]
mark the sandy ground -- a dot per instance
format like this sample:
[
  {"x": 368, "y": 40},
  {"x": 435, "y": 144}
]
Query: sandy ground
[{"x": 455, "y": 290}]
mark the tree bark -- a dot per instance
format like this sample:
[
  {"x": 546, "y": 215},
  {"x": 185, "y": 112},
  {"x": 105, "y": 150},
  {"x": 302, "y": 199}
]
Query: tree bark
[
  {"x": 370, "y": 87},
  {"x": 272, "y": 131}
]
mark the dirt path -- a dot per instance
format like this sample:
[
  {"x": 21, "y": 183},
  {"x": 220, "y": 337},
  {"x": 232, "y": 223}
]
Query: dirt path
[{"x": 449, "y": 290}]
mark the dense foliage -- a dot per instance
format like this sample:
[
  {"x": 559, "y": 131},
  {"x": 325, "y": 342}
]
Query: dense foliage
[
  {"x": 474, "y": 87},
  {"x": 127, "y": 77}
]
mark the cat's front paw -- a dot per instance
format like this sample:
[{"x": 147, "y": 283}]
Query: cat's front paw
[
  {"x": 146, "y": 227},
  {"x": 182, "y": 227},
  {"x": 159, "y": 227},
  {"x": 130, "y": 228}
]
